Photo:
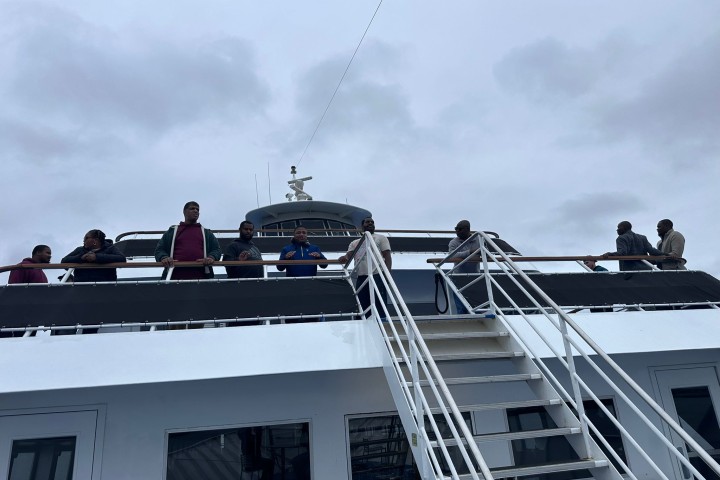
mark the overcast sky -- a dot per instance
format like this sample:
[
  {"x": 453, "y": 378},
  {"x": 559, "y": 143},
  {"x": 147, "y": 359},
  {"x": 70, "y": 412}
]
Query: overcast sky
[{"x": 546, "y": 121}]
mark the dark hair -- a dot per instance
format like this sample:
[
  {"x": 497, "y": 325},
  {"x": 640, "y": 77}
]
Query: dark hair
[
  {"x": 627, "y": 224},
  {"x": 96, "y": 233},
  {"x": 298, "y": 227},
  {"x": 39, "y": 248},
  {"x": 246, "y": 221},
  {"x": 667, "y": 222},
  {"x": 188, "y": 204}
]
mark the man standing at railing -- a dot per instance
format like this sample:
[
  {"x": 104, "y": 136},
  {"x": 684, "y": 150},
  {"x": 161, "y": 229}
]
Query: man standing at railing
[
  {"x": 462, "y": 230},
  {"x": 630, "y": 243},
  {"x": 40, "y": 254},
  {"x": 301, "y": 249},
  {"x": 243, "y": 249},
  {"x": 671, "y": 243},
  {"x": 188, "y": 242},
  {"x": 361, "y": 268}
]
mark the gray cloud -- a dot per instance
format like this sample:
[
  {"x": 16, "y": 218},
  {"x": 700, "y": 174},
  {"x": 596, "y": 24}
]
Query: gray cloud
[
  {"x": 677, "y": 112},
  {"x": 70, "y": 71},
  {"x": 548, "y": 70}
]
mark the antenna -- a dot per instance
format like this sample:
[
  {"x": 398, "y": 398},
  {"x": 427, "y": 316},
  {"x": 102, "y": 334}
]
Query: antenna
[{"x": 257, "y": 196}]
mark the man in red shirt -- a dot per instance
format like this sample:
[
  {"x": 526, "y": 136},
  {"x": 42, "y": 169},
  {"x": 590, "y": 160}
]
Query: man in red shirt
[
  {"x": 188, "y": 242},
  {"x": 40, "y": 254}
]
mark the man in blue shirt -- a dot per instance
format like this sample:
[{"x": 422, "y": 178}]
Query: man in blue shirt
[{"x": 301, "y": 249}]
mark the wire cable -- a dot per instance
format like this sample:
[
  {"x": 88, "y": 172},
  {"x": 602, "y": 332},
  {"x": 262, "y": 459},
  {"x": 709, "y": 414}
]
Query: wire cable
[{"x": 317, "y": 127}]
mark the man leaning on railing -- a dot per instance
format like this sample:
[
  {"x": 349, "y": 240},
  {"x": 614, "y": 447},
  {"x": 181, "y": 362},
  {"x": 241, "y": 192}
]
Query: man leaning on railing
[{"x": 361, "y": 268}]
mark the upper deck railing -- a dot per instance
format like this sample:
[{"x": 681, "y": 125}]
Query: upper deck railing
[{"x": 566, "y": 347}]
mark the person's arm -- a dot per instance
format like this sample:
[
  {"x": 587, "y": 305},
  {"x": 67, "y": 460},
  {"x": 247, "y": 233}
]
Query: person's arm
[
  {"x": 317, "y": 254},
  {"x": 162, "y": 250},
  {"x": 677, "y": 245},
  {"x": 110, "y": 255},
  {"x": 464, "y": 252},
  {"x": 387, "y": 256},
  {"x": 74, "y": 257},
  {"x": 213, "y": 246},
  {"x": 351, "y": 251},
  {"x": 283, "y": 252},
  {"x": 650, "y": 249}
]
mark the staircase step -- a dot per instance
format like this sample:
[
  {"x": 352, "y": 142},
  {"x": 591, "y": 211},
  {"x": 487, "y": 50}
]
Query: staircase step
[
  {"x": 446, "y": 357},
  {"x": 458, "y": 335},
  {"x": 491, "y": 437},
  {"x": 446, "y": 318},
  {"x": 503, "y": 405},
  {"x": 505, "y": 472},
  {"x": 486, "y": 379}
]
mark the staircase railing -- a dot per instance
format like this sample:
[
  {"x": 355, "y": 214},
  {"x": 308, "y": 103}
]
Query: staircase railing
[
  {"x": 414, "y": 406},
  {"x": 508, "y": 267}
]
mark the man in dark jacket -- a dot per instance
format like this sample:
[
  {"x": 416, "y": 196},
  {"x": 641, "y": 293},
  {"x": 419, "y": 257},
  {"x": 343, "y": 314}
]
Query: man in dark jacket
[
  {"x": 301, "y": 249},
  {"x": 631, "y": 243},
  {"x": 188, "y": 242},
  {"x": 242, "y": 249},
  {"x": 95, "y": 249},
  {"x": 40, "y": 254}
]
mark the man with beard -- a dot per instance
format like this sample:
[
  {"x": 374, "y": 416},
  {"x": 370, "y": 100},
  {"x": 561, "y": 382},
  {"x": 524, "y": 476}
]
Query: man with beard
[
  {"x": 242, "y": 249},
  {"x": 40, "y": 254},
  {"x": 671, "y": 243},
  {"x": 188, "y": 242}
]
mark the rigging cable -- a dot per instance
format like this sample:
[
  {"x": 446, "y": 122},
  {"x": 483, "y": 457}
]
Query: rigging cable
[{"x": 317, "y": 127}]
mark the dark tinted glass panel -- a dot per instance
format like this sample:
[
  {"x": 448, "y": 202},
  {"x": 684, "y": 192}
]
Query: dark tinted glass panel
[
  {"x": 379, "y": 448},
  {"x": 272, "y": 226},
  {"x": 314, "y": 226},
  {"x": 288, "y": 226},
  {"x": 536, "y": 451},
  {"x": 336, "y": 226},
  {"x": 264, "y": 452},
  {"x": 42, "y": 459},
  {"x": 697, "y": 416}
]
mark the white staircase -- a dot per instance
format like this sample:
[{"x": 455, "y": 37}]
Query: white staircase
[{"x": 485, "y": 370}]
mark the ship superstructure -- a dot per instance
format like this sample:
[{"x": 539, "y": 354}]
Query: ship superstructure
[{"x": 551, "y": 376}]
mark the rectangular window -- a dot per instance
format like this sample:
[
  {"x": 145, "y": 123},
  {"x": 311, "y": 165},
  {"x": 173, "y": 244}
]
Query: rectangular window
[
  {"x": 42, "y": 459},
  {"x": 535, "y": 451},
  {"x": 266, "y": 451},
  {"x": 314, "y": 226},
  {"x": 379, "y": 448}
]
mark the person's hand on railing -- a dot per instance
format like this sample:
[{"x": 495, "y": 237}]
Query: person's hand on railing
[
  {"x": 167, "y": 262},
  {"x": 89, "y": 257},
  {"x": 206, "y": 261}
]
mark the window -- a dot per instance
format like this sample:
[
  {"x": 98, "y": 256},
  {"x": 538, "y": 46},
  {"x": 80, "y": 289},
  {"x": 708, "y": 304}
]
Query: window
[
  {"x": 379, "y": 448},
  {"x": 42, "y": 459},
  {"x": 534, "y": 451},
  {"x": 267, "y": 451}
]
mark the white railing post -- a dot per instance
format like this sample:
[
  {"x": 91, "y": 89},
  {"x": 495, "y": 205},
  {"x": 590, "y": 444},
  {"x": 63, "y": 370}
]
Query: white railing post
[
  {"x": 576, "y": 388},
  {"x": 486, "y": 271}
]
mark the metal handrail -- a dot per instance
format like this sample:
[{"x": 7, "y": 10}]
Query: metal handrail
[
  {"x": 422, "y": 358},
  {"x": 310, "y": 229},
  {"x": 506, "y": 264}
]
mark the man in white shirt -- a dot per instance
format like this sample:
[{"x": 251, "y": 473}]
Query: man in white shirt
[{"x": 361, "y": 268}]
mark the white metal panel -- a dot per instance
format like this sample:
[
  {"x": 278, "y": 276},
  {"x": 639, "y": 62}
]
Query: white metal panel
[
  {"x": 75, "y": 361},
  {"x": 633, "y": 332}
]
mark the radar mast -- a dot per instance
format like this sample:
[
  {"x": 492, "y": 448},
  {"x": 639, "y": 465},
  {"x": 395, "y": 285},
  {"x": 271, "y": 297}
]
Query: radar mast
[{"x": 296, "y": 185}]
